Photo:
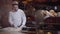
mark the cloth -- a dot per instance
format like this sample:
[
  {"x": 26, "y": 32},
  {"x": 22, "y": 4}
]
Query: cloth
[{"x": 17, "y": 18}]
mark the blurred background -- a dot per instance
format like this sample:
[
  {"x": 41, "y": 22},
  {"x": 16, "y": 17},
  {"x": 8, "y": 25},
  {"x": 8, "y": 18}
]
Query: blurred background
[{"x": 39, "y": 20}]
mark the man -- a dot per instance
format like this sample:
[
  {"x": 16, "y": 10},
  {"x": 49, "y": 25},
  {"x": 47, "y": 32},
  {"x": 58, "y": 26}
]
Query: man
[{"x": 17, "y": 18}]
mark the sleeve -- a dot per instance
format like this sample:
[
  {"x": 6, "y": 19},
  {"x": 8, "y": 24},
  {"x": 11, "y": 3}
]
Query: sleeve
[
  {"x": 10, "y": 19},
  {"x": 23, "y": 19}
]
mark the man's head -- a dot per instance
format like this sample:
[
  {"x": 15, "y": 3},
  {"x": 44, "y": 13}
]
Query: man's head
[{"x": 15, "y": 5}]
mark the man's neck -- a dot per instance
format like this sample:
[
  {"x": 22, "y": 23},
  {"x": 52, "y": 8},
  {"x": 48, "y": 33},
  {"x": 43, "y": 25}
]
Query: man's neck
[{"x": 15, "y": 10}]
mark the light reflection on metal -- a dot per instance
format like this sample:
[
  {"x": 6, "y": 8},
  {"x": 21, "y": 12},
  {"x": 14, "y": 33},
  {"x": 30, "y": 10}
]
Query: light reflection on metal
[{"x": 55, "y": 7}]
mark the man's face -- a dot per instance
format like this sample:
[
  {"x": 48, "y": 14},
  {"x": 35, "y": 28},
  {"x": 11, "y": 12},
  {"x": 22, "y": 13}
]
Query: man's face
[{"x": 15, "y": 7}]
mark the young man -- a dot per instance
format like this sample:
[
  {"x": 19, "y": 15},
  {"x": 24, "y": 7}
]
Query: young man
[{"x": 17, "y": 18}]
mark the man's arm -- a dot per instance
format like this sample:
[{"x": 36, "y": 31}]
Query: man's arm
[
  {"x": 10, "y": 19},
  {"x": 50, "y": 14},
  {"x": 23, "y": 19}
]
